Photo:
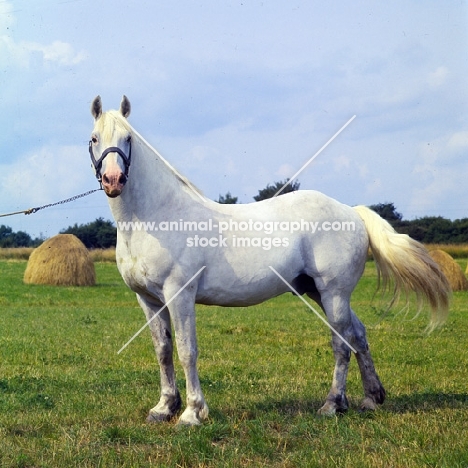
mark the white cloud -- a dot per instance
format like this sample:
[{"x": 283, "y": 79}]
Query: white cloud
[
  {"x": 438, "y": 77},
  {"x": 374, "y": 186},
  {"x": 44, "y": 176},
  {"x": 60, "y": 52},
  {"x": 458, "y": 141},
  {"x": 441, "y": 185},
  {"x": 363, "y": 170},
  {"x": 47, "y": 175},
  {"x": 26, "y": 54},
  {"x": 6, "y": 16},
  {"x": 285, "y": 171},
  {"x": 341, "y": 163}
]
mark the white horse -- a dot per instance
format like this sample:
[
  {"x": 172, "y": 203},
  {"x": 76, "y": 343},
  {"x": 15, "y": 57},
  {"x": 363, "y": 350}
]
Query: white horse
[{"x": 257, "y": 251}]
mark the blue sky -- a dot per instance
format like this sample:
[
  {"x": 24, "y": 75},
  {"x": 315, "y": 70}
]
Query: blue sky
[{"x": 236, "y": 95}]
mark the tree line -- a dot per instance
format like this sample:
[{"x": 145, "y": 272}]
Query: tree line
[
  {"x": 102, "y": 234},
  {"x": 428, "y": 229},
  {"x": 8, "y": 238}
]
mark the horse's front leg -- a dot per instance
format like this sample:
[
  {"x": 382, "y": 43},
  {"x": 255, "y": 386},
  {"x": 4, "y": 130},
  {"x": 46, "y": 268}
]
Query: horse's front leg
[
  {"x": 182, "y": 311},
  {"x": 160, "y": 326}
]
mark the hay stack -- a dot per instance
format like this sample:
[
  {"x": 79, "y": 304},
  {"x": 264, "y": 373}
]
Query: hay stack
[
  {"x": 62, "y": 260},
  {"x": 450, "y": 269}
]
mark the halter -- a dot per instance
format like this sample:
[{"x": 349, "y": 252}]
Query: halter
[{"x": 112, "y": 149}]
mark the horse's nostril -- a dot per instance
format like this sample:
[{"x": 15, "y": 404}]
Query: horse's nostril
[
  {"x": 122, "y": 179},
  {"x": 105, "y": 179}
]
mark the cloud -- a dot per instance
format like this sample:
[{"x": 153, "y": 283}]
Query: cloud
[
  {"x": 440, "y": 177},
  {"x": 47, "y": 175},
  {"x": 438, "y": 77},
  {"x": 374, "y": 186},
  {"x": 341, "y": 163},
  {"x": 34, "y": 54},
  {"x": 44, "y": 176},
  {"x": 458, "y": 141},
  {"x": 444, "y": 185},
  {"x": 59, "y": 52},
  {"x": 6, "y": 16},
  {"x": 285, "y": 171}
]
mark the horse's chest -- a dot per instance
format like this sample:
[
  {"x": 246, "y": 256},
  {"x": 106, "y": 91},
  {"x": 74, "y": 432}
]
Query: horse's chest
[
  {"x": 133, "y": 273},
  {"x": 139, "y": 277}
]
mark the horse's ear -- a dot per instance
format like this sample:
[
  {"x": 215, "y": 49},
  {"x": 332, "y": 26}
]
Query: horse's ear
[
  {"x": 125, "y": 106},
  {"x": 96, "y": 107}
]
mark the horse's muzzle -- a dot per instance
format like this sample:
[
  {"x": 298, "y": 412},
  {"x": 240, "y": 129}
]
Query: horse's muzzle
[{"x": 113, "y": 183}]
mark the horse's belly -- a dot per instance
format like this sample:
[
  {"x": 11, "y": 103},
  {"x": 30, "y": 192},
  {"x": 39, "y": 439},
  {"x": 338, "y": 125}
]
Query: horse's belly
[{"x": 225, "y": 287}]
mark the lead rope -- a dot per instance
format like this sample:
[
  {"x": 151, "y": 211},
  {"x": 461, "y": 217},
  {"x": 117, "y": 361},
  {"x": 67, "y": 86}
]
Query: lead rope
[{"x": 61, "y": 202}]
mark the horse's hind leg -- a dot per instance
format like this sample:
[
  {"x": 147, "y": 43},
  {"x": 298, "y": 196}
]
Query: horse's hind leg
[
  {"x": 338, "y": 313},
  {"x": 374, "y": 392},
  {"x": 160, "y": 326}
]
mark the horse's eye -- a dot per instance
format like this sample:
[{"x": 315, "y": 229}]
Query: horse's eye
[
  {"x": 129, "y": 138},
  {"x": 94, "y": 139}
]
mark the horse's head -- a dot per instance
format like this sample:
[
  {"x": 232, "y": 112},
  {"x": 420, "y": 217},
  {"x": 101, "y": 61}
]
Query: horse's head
[{"x": 110, "y": 146}]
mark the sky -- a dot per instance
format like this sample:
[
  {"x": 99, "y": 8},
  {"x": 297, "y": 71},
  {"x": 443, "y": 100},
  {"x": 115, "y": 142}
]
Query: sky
[{"x": 237, "y": 95}]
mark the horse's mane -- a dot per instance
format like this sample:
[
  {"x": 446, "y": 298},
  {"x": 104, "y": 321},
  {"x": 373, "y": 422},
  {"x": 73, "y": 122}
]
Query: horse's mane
[{"x": 111, "y": 120}]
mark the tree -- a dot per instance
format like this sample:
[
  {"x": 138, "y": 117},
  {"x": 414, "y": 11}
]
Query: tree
[
  {"x": 388, "y": 212},
  {"x": 8, "y": 238},
  {"x": 227, "y": 199},
  {"x": 98, "y": 234},
  {"x": 6, "y": 234},
  {"x": 22, "y": 239},
  {"x": 270, "y": 190}
]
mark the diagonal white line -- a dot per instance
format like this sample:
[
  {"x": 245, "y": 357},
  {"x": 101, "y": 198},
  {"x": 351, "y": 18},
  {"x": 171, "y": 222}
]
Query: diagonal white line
[
  {"x": 312, "y": 309},
  {"x": 189, "y": 184},
  {"x": 161, "y": 309},
  {"x": 314, "y": 156}
]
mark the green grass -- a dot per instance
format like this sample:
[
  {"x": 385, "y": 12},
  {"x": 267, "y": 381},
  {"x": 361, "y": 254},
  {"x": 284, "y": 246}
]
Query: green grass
[{"x": 67, "y": 399}]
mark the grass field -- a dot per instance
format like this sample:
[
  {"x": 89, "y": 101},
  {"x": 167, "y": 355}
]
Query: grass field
[{"x": 67, "y": 399}]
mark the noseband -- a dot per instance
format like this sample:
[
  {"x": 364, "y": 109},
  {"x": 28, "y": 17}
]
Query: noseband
[{"x": 112, "y": 149}]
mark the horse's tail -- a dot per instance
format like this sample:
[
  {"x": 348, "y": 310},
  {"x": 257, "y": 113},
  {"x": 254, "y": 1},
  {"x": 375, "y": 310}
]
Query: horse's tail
[{"x": 407, "y": 264}]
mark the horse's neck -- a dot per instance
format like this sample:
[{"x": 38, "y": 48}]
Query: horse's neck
[{"x": 153, "y": 192}]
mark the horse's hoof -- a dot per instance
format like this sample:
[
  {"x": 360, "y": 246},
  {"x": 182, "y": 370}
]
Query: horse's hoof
[
  {"x": 181, "y": 424},
  {"x": 193, "y": 417},
  {"x": 326, "y": 411},
  {"x": 155, "y": 418},
  {"x": 368, "y": 404},
  {"x": 373, "y": 398},
  {"x": 165, "y": 410},
  {"x": 329, "y": 409},
  {"x": 338, "y": 404}
]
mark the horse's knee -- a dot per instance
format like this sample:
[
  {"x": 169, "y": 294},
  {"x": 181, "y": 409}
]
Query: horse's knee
[{"x": 188, "y": 357}]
